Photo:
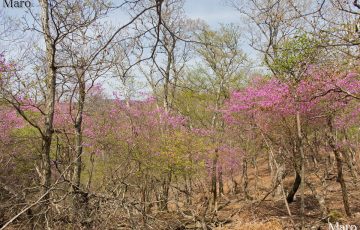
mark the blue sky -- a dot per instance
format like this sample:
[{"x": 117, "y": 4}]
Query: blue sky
[{"x": 213, "y": 12}]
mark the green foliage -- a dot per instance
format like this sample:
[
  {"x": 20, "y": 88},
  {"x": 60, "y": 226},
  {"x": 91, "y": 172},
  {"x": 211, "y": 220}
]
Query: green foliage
[
  {"x": 222, "y": 55},
  {"x": 27, "y": 132},
  {"x": 294, "y": 55},
  {"x": 335, "y": 216},
  {"x": 178, "y": 151}
]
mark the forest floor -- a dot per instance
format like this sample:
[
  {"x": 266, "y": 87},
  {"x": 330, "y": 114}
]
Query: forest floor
[
  {"x": 263, "y": 211},
  {"x": 272, "y": 213}
]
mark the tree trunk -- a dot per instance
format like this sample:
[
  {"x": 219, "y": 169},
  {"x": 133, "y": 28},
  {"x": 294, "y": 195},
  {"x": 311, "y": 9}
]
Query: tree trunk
[
  {"x": 328, "y": 164},
  {"x": 279, "y": 177},
  {"x": 221, "y": 183},
  {"x": 273, "y": 173},
  {"x": 49, "y": 108},
  {"x": 351, "y": 165},
  {"x": 80, "y": 197},
  {"x": 245, "y": 180},
  {"x": 214, "y": 179},
  {"x": 340, "y": 179},
  {"x": 234, "y": 188},
  {"x": 164, "y": 196},
  {"x": 46, "y": 171},
  {"x": 339, "y": 166},
  {"x": 302, "y": 167},
  {"x": 295, "y": 187},
  {"x": 256, "y": 174},
  {"x": 188, "y": 188}
]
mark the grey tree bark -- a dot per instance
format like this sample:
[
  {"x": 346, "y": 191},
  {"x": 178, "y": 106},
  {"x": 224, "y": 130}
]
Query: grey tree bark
[{"x": 50, "y": 104}]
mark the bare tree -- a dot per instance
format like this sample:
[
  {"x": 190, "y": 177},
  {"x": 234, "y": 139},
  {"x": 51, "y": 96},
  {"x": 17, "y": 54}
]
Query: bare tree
[{"x": 61, "y": 23}]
